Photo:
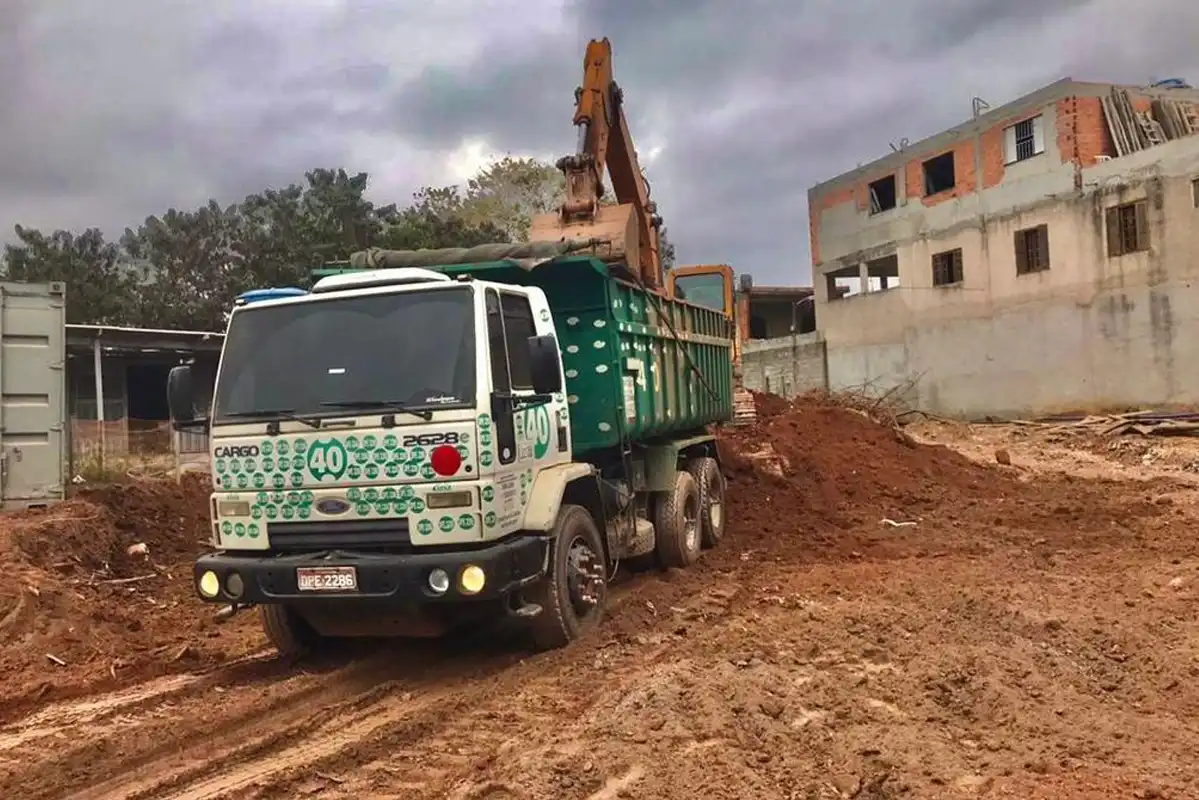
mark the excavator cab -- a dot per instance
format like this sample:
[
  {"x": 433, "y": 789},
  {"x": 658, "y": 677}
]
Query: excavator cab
[
  {"x": 708, "y": 285},
  {"x": 711, "y": 285}
]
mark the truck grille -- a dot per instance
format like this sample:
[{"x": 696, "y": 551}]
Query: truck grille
[{"x": 375, "y": 535}]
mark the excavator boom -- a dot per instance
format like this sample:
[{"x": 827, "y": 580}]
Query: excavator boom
[{"x": 631, "y": 226}]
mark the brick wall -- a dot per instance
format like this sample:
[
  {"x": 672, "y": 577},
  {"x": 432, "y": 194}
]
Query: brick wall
[
  {"x": 787, "y": 366},
  {"x": 1082, "y": 137},
  {"x": 965, "y": 179},
  {"x": 1082, "y": 134}
]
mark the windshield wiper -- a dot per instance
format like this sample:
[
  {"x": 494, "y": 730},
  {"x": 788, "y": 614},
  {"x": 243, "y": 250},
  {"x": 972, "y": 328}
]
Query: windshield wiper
[
  {"x": 278, "y": 413},
  {"x": 381, "y": 405}
]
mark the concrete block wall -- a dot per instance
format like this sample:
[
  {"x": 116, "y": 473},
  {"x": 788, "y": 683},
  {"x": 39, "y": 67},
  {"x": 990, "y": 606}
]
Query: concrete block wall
[
  {"x": 872, "y": 369},
  {"x": 1128, "y": 347},
  {"x": 787, "y": 366}
]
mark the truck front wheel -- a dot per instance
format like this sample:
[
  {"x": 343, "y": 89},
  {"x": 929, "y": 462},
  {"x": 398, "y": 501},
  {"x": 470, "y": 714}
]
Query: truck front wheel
[
  {"x": 573, "y": 592},
  {"x": 288, "y": 632}
]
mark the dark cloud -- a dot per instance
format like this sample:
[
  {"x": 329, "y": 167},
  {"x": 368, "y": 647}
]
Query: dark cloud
[
  {"x": 117, "y": 110},
  {"x": 524, "y": 104}
]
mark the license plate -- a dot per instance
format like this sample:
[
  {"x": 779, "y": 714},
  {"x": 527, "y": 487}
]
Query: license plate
[{"x": 327, "y": 579}]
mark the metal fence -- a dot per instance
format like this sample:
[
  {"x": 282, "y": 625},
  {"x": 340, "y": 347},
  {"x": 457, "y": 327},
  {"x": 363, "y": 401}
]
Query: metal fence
[{"x": 128, "y": 447}]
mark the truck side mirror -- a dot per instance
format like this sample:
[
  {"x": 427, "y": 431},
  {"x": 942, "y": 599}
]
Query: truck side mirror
[
  {"x": 544, "y": 364},
  {"x": 181, "y": 396}
]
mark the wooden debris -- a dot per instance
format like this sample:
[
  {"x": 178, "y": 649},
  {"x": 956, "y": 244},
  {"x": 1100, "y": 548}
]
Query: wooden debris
[
  {"x": 122, "y": 581},
  {"x": 1143, "y": 423}
]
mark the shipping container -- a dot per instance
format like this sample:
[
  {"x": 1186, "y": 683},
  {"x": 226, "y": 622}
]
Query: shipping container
[{"x": 32, "y": 394}]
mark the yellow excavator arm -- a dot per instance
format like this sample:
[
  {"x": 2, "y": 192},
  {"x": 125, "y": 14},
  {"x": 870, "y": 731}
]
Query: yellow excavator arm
[{"x": 631, "y": 227}]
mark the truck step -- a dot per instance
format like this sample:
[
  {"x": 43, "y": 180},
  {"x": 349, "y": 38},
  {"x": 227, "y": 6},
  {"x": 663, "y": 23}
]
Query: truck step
[{"x": 526, "y": 611}]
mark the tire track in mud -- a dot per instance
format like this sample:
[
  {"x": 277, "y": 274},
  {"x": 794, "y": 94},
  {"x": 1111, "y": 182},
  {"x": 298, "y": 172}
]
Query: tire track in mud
[
  {"x": 246, "y": 768},
  {"x": 193, "y": 722},
  {"x": 215, "y": 733},
  {"x": 470, "y": 728},
  {"x": 219, "y": 760},
  {"x": 124, "y": 704}
]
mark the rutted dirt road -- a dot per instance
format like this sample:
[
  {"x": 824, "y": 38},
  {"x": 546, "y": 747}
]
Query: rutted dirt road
[{"x": 1031, "y": 635}]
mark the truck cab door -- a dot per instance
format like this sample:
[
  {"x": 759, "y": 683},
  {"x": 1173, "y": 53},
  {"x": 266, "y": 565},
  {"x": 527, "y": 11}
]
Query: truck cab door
[
  {"x": 510, "y": 325},
  {"x": 502, "y": 412}
]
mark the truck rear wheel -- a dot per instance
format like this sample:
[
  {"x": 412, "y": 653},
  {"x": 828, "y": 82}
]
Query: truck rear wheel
[
  {"x": 288, "y": 632},
  {"x": 573, "y": 593},
  {"x": 706, "y": 472},
  {"x": 677, "y": 536}
]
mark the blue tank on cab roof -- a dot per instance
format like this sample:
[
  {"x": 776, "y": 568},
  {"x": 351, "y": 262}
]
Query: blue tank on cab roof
[{"x": 256, "y": 295}]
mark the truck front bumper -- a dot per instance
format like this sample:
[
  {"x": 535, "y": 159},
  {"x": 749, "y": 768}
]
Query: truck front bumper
[{"x": 402, "y": 578}]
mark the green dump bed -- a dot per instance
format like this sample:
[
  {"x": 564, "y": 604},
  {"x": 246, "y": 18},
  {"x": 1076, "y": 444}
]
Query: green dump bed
[{"x": 638, "y": 366}]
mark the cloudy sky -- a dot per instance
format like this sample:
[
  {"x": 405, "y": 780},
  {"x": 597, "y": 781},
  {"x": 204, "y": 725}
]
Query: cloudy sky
[{"x": 113, "y": 110}]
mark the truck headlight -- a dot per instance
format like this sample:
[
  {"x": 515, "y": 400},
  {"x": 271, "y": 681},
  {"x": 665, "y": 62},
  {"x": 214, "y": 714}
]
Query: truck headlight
[
  {"x": 209, "y": 585},
  {"x": 472, "y": 579},
  {"x": 439, "y": 581},
  {"x": 233, "y": 508}
]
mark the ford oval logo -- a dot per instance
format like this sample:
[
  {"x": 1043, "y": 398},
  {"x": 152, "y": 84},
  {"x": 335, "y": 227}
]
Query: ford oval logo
[{"x": 332, "y": 505}]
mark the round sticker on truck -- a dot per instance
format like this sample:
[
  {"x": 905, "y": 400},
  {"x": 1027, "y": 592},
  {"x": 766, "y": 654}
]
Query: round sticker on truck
[{"x": 327, "y": 459}]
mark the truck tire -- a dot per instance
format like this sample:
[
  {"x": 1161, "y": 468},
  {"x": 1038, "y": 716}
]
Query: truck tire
[
  {"x": 288, "y": 632},
  {"x": 677, "y": 536},
  {"x": 573, "y": 593},
  {"x": 711, "y": 499}
]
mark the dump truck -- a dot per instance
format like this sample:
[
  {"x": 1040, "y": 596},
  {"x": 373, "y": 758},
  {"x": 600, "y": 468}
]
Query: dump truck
[
  {"x": 433, "y": 439},
  {"x": 405, "y": 451}
]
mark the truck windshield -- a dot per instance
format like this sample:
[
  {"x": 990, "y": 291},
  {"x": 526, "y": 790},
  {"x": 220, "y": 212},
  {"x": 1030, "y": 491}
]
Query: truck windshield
[{"x": 324, "y": 357}]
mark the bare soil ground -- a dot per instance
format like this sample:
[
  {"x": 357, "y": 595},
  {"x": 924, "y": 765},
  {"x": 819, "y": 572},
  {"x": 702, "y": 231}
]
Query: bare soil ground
[{"x": 893, "y": 614}]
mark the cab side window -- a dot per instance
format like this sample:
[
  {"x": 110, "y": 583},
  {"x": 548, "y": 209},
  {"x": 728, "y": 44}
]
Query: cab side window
[
  {"x": 495, "y": 343},
  {"x": 518, "y": 327}
]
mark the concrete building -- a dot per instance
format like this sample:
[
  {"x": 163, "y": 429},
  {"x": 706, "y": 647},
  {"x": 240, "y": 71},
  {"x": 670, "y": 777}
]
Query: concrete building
[
  {"x": 1039, "y": 257},
  {"x": 774, "y": 311},
  {"x": 782, "y": 353}
]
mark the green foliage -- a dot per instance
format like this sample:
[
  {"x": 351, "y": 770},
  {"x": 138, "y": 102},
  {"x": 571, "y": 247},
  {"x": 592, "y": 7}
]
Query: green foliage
[
  {"x": 511, "y": 191},
  {"x": 182, "y": 269},
  {"x": 98, "y": 284}
]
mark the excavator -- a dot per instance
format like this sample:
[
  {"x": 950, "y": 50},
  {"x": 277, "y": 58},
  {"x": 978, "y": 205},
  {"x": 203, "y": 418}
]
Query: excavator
[
  {"x": 631, "y": 226},
  {"x": 625, "y": 231}
]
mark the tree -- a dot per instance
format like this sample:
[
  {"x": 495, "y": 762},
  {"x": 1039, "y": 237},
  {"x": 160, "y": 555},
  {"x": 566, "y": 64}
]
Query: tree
[
  {"x": 183, "y": 269},
  {"x": 510, "y": 192},
  {"x": 665, "y": 249},
  {"x": 192, "y": 266},
  {"x": 440, "y": 218},
  {"x": 101, "y": 284}
]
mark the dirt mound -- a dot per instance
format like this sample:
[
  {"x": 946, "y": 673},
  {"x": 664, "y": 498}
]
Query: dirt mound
[
  {"x": 102, "y": 590},
  {"x": 768, "y": 406},
  {"x": 94, "y": 530},
  {"x": 810, "y": 469},
  {"x": 834, "y": 459}
]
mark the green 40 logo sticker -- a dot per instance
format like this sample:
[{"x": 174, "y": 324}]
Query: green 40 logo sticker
[
  {"x": 327, "y": 459},
  {"x": 537, "y": 428}
]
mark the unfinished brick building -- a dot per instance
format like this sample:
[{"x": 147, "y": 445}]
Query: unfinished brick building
[{"x": 1030, "y": 259}]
